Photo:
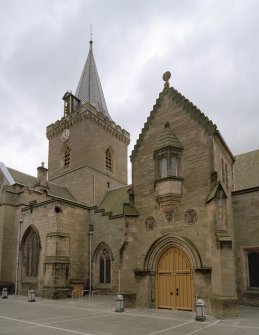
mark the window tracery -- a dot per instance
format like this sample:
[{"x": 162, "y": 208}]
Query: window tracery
[{"x": 103, "y": 264}]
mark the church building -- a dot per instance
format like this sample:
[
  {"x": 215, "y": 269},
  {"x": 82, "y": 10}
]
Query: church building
[{"x": 187, "y": 227}]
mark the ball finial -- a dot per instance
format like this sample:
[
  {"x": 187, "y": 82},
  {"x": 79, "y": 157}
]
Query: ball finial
[{"x": 166, "y": 76}]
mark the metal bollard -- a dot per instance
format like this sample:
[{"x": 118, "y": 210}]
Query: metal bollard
[
  {"x": 119, "y": 304},
  {"x": 31, "y": 296},
  {"x": 200, "y": 310},
  {"x": 4, "y": 293}
]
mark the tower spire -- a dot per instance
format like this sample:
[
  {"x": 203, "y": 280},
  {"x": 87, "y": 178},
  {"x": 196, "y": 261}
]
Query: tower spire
[{"x": 89, "y": 88}]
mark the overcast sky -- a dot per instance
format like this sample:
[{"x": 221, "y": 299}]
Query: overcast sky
[{"x": 210, "y": 46}]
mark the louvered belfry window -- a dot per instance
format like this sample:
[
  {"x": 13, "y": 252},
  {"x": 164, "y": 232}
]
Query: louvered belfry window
[
  {"x": 108, "y": 160},
  {"x": 67, "y": 157}
]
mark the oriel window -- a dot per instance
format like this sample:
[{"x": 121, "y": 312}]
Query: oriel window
[
  {"x": 174, "y": 166},
  {"x": 163, "y": 167},
  {"x": 168, "y": 165}
]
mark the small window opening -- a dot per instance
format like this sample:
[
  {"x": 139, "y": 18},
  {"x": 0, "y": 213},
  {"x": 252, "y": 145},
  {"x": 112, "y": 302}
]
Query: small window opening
[
  {"x": 226, "y": 174},
  {"x": 67, "y": 157},
  {"x": 223, "y": 170},
  {"x": 108, "y": 161}
]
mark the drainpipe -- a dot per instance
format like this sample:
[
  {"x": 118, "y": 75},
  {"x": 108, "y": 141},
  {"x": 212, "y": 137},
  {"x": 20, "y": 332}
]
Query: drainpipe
[{"x": 18, "y": 257}]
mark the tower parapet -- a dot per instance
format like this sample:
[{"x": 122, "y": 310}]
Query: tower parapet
[{"x": 87, "y": 111}]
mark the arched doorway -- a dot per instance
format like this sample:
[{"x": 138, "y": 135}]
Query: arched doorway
[{"x": 174, "y": 280}]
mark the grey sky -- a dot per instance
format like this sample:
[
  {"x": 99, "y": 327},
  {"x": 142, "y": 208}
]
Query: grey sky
[{"x": 210, "y": 47}]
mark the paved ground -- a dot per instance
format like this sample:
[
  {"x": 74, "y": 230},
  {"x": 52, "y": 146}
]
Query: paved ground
[{"x": 98, "y": 317}]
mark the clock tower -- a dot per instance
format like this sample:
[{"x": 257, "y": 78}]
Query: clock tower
[{"x": 87, "y": 150}]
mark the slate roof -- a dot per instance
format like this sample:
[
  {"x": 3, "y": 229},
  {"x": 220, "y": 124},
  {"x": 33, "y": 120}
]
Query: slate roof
[
  {"x": 89, "y": 88},
  {"x": 246, "y": 170},
  {"x": 116, "y": 202},
  {"x": 30, "y": 181}
]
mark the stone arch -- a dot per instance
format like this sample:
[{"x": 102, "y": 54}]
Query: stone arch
[{"x": 167, "y": 241}]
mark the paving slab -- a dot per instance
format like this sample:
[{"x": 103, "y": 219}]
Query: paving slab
[{"x": 98, "y": 317}]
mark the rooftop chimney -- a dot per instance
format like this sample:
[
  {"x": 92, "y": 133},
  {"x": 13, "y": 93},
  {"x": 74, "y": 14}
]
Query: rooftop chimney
[{"x": 42, "y": 177}]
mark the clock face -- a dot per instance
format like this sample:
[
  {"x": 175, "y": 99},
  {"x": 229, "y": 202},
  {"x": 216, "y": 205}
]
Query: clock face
[{"x": 65, "y": 135}]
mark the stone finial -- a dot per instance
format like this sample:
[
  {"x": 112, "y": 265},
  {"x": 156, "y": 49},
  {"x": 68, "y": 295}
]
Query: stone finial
[{"x": 166, "y": 77}]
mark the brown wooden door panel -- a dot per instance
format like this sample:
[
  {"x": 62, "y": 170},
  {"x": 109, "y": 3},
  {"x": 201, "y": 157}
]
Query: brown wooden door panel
[{"x": 174, "y": 280}]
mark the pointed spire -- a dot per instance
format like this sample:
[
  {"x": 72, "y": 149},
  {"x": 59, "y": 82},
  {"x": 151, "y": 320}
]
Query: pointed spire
[{"x": 89, "y": 88}]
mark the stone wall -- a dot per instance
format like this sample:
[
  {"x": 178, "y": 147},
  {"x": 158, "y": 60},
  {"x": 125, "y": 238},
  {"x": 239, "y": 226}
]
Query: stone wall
[
  {"x": 246, "y": 219},
  {"x": 63, "y": 241},
  {"x": 90, "y": 136}
]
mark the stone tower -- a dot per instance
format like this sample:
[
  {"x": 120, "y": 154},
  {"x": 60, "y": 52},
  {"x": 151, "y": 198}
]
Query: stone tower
[{"x": 87, "y": 150}]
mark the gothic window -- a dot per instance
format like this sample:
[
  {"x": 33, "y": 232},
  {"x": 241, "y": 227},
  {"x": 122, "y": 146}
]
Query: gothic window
[
  {"x": 108, "y": 160},
  {"x": 105, "y": 267},
  {"x": 253, "y": 267},
  {"x": 103, "y": 264},
  {"x": 30, "y": 253},
  {"x": 66, "y": 159}
]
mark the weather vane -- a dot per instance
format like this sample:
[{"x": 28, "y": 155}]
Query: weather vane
[{"x": 91, "y": 32}]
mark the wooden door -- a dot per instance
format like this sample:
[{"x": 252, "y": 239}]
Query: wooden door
[{"x": 174, "y": 280}]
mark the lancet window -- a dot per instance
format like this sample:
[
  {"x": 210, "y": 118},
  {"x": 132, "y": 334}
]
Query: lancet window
[
  {"x": 103, "y": 264},
  {"x": 30, "y": 253}
]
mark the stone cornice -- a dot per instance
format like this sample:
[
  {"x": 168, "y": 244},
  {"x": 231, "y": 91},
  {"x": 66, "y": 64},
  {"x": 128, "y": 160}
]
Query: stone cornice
[{"x": 88, "y": 112}]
